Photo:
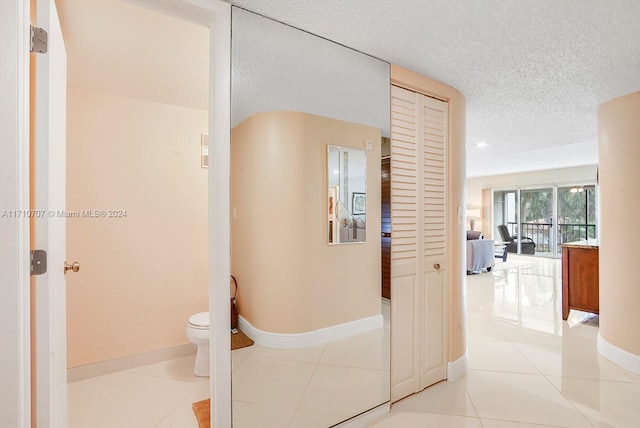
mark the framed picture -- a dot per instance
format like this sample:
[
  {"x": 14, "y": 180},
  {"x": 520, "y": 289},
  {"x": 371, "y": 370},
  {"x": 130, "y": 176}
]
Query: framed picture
[{"x": 359, "y": 203}]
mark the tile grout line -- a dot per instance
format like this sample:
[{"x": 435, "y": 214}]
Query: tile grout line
[
  {"x": 243, "y": 360},
  {"x": 475, "y": 410},
  {"x": 176, "y": 407},
  {"x": 306, "y": 388}
]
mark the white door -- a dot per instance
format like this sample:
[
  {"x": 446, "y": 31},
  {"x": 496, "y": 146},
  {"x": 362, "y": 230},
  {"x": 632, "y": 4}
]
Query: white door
[
  {"x": 418, "y": 245},
  {"x": 49, "y": 181},
  {"x": 405, "y": 251},
  {"x": 433, "y": 139}
]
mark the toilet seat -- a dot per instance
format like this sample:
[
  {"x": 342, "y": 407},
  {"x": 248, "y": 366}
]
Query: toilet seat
[{"x": 199, "y": 321}]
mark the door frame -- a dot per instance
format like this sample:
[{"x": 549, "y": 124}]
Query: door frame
[
  {"x": 216, "y": 15},
  {"x": 15, "y": 393},
  {"x": 15, "y": 389}
]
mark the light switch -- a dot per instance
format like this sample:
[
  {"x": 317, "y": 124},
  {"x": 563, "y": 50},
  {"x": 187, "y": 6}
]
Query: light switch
[
  {"x": 368, "y": 144},
  {"x": 233, "y": 213}
]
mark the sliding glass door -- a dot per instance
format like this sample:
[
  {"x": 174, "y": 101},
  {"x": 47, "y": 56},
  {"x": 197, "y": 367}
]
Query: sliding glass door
[
  {"x": 506, "y": 212},
  {"x": 542, "y": 219},
  {"x": 576, "y": 213},
  {"x": 536, "y": 221}
]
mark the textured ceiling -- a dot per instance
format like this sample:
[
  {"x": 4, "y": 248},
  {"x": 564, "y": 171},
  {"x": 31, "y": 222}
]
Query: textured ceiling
[
  {"x": 533, "y": 72},
  {"x": 277, "y": 67}
]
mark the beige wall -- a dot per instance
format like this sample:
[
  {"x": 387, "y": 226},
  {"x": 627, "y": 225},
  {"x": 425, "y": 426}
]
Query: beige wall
[
  {"x": 142, "y": 276},
  {"x": 456, "y": 195},
  {"x": 619, "y": 134},
  {"x": 290, "y": 279},
  {"x": 478, "y": 197}
]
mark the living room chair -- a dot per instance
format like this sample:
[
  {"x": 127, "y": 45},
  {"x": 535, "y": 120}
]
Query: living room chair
[
  {"x": 527, "y": 246},
  {"x": 480, "y": 253}
]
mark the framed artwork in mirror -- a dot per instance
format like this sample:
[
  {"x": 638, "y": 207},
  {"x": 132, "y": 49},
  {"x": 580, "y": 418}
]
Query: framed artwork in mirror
[{"x": 359, "y": 203}]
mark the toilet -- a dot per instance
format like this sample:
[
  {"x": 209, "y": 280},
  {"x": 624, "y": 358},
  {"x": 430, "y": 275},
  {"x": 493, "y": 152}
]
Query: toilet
[{"x": 198, "y": 334}]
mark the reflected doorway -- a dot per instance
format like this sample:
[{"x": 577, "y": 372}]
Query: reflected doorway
[{"x": 386, "y": 226}]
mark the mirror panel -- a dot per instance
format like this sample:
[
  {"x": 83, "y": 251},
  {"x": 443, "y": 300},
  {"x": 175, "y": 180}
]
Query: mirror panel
[
  {"x": 315, "y": 311},
  {"x": 347, "y": 191},
  {"x": 279, "y": 68}
]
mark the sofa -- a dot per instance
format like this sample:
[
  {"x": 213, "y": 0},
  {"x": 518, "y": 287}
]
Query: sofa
[{"x": 480, "y": 253}]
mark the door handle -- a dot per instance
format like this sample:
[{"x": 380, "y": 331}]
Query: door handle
[
  {"x": 436, "y": 266},
  {"x": 75, "y": 267}
]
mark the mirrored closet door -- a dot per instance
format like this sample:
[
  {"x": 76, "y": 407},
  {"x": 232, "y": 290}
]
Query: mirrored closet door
[{"x": 313, "y": 309}]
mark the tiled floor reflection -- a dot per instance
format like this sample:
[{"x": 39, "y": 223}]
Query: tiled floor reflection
[
  {"x": 311, "y": 387},
  {"x": 527, "y": 367}
]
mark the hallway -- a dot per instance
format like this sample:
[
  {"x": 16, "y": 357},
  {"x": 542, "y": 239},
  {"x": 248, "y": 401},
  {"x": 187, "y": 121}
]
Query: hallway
[{"x": 526, "y": 365}]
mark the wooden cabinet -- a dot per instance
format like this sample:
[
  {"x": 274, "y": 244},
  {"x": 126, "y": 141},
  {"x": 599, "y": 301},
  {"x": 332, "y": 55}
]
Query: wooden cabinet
[{"x": 580, "y": 271}]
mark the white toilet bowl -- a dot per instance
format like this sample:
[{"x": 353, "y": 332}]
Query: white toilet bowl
[{"x": 198, "y": 334}]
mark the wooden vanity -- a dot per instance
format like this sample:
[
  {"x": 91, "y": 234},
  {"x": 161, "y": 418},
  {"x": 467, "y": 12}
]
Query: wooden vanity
[{"x": 580, "y": 271}]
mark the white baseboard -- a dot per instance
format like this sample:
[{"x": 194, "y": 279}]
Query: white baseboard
[
  {"x": 366, "y": 418},
  {"x": 310, "y": 338},
  {"x": 624, "y": 359},
  {"x": 458, "y": 368},
  {"x": 129, "y": 362}
]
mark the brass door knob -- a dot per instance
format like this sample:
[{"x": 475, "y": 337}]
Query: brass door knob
[
  {"x": 75, "y": 266},
  {"x": 436, "y": 266}
]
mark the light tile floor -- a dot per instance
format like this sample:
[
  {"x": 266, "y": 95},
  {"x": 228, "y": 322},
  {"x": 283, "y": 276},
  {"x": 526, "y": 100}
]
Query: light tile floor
[
  {"x": 311, "y": 387},
  {"x": 158, "y": 395},
  {"x": 527, "y": 367},
  {"x": 298, "y": 388}
]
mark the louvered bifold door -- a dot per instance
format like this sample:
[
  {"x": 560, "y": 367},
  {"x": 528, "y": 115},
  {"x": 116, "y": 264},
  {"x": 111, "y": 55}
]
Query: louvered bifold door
[
  {"x": 434, "y": 205},
  {"x": 418, "y": 210},
  {"x": 404, "y": 243}
]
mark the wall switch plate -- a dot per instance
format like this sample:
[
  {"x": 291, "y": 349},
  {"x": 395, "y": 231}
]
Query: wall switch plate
[{"x": 368, "y": 144}]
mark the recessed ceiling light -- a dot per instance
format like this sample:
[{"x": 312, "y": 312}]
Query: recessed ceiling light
[{"x": 482, "y": 144}]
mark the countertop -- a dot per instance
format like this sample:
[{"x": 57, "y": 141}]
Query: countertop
[{"x": 587, "y": 243}]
